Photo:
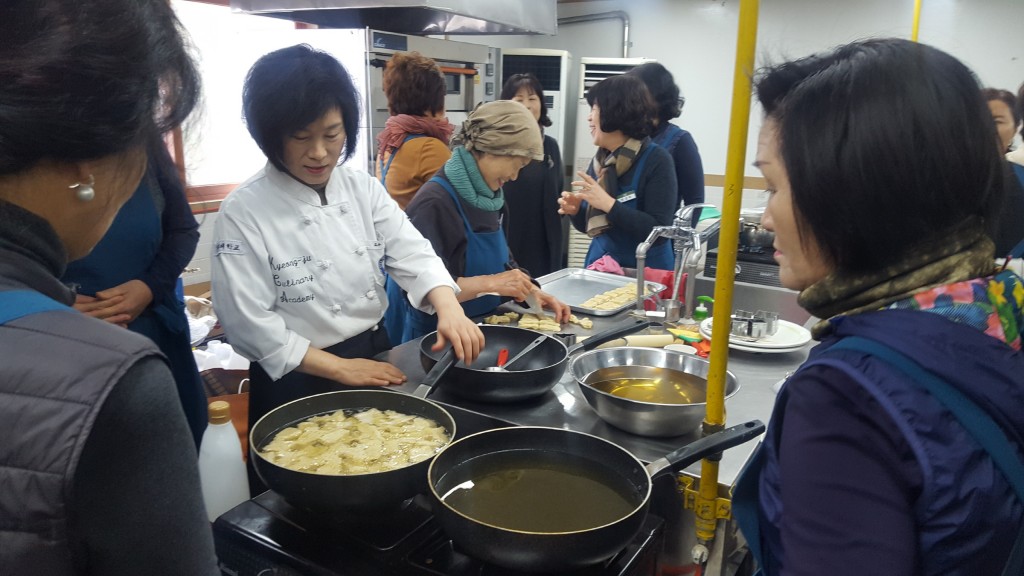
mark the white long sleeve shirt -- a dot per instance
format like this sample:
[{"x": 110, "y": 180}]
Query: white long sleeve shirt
[{"x": 289, "y": 273}]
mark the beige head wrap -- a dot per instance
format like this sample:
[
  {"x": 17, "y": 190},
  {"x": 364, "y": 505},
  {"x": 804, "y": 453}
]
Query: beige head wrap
[{"x": 503, "y": 128}]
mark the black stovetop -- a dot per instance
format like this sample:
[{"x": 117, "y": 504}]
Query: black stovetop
[{"x": 266, "y": 535}]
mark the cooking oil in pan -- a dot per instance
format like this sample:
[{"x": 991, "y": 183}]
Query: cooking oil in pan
[
  {"x": 677, "y": 388},
  {"x": 538, "y": 491}
]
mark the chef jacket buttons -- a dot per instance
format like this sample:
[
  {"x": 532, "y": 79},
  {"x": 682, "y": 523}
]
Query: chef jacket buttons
[
  {"x": 372, "y": 295},
  {"x": 360, "y": 251},
  {"x": 323, "y": 264},
  {"x": 344, "y": 208},
  {"x": 336, "y": 308},
  {"x": 307, "y": 220}
]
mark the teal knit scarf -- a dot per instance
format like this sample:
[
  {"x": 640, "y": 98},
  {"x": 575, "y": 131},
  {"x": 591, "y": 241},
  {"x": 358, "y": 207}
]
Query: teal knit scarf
[{"x": 464, "y": 174}]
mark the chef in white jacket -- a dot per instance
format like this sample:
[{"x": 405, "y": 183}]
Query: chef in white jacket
[{"x": 301, "y": 249}]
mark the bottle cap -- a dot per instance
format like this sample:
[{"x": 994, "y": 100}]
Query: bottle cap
[
  {"x": 701, "y": 311},
  {"x": 220, "y": 412}
]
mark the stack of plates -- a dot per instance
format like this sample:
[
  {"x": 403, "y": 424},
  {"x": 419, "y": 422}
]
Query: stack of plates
[{"x": 788, "y": 338}]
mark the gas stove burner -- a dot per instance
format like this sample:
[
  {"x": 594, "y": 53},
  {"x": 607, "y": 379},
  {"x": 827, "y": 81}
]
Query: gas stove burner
[
  {"x": 380, "y": 530},
  {"x": 443, "y": 557},
  {"x": 265, "y": 533}
]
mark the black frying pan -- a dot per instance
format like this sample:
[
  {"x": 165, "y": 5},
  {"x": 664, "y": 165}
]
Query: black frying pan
[
  {"x": 529, "y": 377},
  {"x": 349, "y": 493},
  {"x": 534, "y": 550}
]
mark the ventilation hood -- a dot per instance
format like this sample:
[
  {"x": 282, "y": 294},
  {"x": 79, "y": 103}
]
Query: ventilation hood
[{"x": 418, "y": 17}]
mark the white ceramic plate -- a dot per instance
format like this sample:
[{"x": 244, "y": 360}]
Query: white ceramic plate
[{"x": 787, "y": 338}]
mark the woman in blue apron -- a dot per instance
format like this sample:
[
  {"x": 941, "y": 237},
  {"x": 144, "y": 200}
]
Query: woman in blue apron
[
  {"x": 416, "y": 134},
  {"x": 462, "y": 212},
  {"x": 630, "y": 187},
  {"x": 678, "y": 142},
  {"x": 897, "y": 447},
  {"x": 132, "y": 274}
]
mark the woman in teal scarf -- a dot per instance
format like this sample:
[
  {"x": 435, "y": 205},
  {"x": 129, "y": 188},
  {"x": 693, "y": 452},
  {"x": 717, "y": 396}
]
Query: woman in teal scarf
[{"x": 462, "y": 212}]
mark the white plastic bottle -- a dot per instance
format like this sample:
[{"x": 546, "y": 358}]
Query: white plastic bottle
[{"x": 221, "y": 468}]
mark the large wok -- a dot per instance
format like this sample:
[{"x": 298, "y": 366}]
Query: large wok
[
  {"x": 661, "y": 374},
  {"x": 462, "y": 466},
  {"x": 349, "y": 493},
  {"x": 532, "y": 376}
]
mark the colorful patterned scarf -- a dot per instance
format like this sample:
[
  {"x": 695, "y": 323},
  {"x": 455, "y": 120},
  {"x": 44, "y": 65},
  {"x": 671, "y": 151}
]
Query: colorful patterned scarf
[
  {"x": 993, "y": 304},
  {"x": 608, "y": 166}
]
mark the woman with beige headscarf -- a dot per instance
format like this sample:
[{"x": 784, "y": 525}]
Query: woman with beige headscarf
[{"x": 497, "y": 140}]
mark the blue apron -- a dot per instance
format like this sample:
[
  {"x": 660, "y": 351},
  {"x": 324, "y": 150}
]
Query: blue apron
[
  {"x": 616, "y": 244},
  {"x": 125, "y": 253},
  {"x": 486, "y": 253},
  {"x": 394, "y": 316}
]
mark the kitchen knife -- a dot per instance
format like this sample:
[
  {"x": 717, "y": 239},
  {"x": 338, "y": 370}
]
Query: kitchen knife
[{"x": 532, "y": 305}]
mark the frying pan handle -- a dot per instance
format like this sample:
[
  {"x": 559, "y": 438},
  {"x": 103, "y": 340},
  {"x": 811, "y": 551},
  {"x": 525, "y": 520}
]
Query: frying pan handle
[
  {"x": 611, "y": 334},
  {"x": 447, "y": 360},
  {"x": 706, "y": 446}
]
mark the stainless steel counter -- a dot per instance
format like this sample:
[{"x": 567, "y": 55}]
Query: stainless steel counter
[{"x": 565, "y": 407}]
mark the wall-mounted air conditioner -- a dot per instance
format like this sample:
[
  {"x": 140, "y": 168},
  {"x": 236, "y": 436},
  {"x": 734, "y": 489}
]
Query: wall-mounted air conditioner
[{"x": 551, "y": 67}]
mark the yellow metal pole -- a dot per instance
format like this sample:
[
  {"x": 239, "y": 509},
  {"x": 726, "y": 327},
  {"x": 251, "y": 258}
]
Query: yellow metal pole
[
  {"x": 917, "y": 20},
  {"x": 706, "y": 505}
]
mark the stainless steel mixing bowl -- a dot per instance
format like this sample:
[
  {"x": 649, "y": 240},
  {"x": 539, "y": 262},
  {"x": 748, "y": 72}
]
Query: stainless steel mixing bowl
[{"x": 678, "y": 373}]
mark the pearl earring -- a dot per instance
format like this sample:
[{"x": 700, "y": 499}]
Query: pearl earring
[{"x": 84, "y": 191}]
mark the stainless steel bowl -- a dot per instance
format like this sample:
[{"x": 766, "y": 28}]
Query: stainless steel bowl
[{"x": 663, "y": 372}]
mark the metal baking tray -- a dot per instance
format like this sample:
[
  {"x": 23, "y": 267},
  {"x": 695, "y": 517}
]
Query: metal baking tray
[{"x": 574, "y": 286}]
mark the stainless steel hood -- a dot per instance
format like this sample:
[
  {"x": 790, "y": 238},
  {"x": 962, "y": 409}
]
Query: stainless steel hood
[{"x": 419, "y": 17}]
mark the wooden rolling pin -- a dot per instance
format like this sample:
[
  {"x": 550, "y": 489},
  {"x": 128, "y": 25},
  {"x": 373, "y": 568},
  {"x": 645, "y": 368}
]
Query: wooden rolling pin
[{"x": 644, "y": 340}]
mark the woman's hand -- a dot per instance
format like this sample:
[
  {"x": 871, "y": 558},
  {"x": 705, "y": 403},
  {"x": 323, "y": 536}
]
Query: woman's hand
[
  {"x": 365, "y": 372},
  {"x": 593, "y": 193},
  {"x": 561, "y": 309},
  {"x": 118, "y": 305},
  {"x": 569, "y": 203},
  {"x": 512, "y": 283},
  {"x": 453, "y": 326},
  {"x": 106, "y": 310},
  {"x": 349, "y": 371}
]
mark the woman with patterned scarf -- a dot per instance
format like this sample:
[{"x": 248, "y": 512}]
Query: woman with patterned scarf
[
  {"x": 462, "y": 211},
  {"x": 630, "y": 186},
  {"x": 896, "y": 448}
]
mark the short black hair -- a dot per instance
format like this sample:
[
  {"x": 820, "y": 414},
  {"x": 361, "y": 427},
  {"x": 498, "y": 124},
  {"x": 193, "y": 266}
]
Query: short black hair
[
  {"x": 1006, "y": 97},
  {"x": 87, "y": 80},
  {"x": 289, "y": 89},
  {"x": 531, "y": 83},
  {"x": 663, "y": 89},
  {"x": 626, "y": 105},
  {"x": 887, "y": 144}
]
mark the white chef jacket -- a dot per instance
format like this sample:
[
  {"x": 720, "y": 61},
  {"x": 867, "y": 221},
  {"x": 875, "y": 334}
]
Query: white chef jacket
[{"x": 288, "y": 273}]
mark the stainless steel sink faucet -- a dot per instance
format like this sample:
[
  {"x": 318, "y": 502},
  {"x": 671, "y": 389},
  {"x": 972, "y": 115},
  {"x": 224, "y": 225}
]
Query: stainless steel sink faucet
[{"x": 688, "y": 246}]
